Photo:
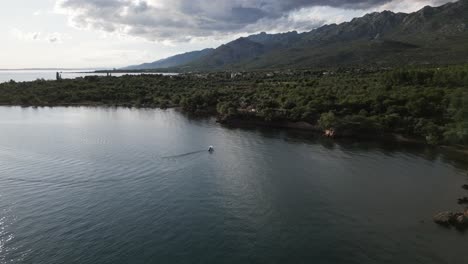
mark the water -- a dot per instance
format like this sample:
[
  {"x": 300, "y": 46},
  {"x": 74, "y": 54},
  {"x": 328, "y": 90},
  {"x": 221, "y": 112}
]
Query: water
[
  {"x": 32, "y": 75},
  {"x": 115, "y": 185}
]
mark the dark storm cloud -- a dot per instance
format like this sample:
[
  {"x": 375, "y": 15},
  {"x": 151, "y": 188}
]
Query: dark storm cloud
[
  {"x": 185, "y": 19},
  {"x": 254, "y": 10}
]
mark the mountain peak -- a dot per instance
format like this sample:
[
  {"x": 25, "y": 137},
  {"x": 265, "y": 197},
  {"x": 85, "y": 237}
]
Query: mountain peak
[
  {"x": 430, "y": 35},
  {"x": 373, "y": 38}
]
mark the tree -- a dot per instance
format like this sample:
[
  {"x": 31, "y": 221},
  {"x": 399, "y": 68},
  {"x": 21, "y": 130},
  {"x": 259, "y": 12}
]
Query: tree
[{"x": 327, "y": 120}]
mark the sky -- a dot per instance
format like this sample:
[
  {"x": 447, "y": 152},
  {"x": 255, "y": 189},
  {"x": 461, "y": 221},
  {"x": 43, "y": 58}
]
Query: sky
[{"x": 117, "y": 33}]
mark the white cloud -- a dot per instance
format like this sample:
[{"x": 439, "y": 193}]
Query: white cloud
[
  {"x": 25, "y": 36},
  {"x": 54, "y": 37},
  {"x": 180, "y": 20},
  {"x": 406, "y": 6}
]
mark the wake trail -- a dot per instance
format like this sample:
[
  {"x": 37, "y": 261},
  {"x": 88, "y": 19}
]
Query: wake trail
[
  {"x": 184, "y": 155},
  {"x": 78, "y": 182}
]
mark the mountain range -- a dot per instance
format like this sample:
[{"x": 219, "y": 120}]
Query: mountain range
[
  {"x": 432, "y": 35},
  {"x": 173, "y": 61}
]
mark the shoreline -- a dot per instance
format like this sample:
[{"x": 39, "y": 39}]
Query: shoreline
[{"x": 307, "y": 127}]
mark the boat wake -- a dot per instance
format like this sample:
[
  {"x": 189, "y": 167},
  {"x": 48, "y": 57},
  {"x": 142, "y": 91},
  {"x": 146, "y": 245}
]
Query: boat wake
[
  {"x": 87, "y": 181},
  {"x": 184, "y": 155}
]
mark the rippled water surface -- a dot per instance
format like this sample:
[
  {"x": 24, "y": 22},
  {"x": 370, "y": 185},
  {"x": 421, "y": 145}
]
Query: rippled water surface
[{"x": 114, "y": 185}]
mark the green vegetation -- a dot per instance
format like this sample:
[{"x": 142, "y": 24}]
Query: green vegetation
[{"x": 425, "y": 103}]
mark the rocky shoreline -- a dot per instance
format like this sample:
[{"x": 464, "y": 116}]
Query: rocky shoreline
[{"x": 249, "y": 121}]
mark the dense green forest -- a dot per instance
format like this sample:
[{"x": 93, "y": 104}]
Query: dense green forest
[{"x": 425, "y": 103}]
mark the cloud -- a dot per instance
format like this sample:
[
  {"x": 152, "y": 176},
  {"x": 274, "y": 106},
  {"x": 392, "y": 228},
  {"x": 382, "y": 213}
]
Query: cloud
[
  {"x": 37, "y": 36},
  {"x": 182, "y": 20},
  {"x": 25, "y": 36},
  {"x": 54, "y": 38},
  {"x": 410, "y": 6}
]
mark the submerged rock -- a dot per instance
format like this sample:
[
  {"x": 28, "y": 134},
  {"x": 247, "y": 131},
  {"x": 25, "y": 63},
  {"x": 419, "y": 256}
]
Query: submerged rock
[
  {"x": 465, "y": 186},
  {"x": 461, "y": 220},
  {"x": 444, "y": 218},
  {"x": 458, "y": 220},
  {"x": 463, "y": 200}
]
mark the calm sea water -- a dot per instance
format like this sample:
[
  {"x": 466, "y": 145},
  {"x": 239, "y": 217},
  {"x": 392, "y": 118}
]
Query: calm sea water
[
  {"x": 32, "y": 75},
  {"x": 115, "y": 185}
]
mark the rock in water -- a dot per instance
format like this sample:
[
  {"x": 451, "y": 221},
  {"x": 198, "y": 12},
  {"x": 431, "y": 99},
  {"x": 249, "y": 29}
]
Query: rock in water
[
  {"x": 463, "y": 200},
  {"x": 444, "y": 218},
  {"x": 458, "y": 220},
  {"x": 465, "y": 186},
  {"x": 461, "y": 220}
]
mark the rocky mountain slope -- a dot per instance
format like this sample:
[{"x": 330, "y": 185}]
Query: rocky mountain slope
[
  {"x": 432, "y": 35},
  {"x": 173, "y": 61}
]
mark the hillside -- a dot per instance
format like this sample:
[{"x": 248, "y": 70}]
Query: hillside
[{"x": 173, "y": 61}]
